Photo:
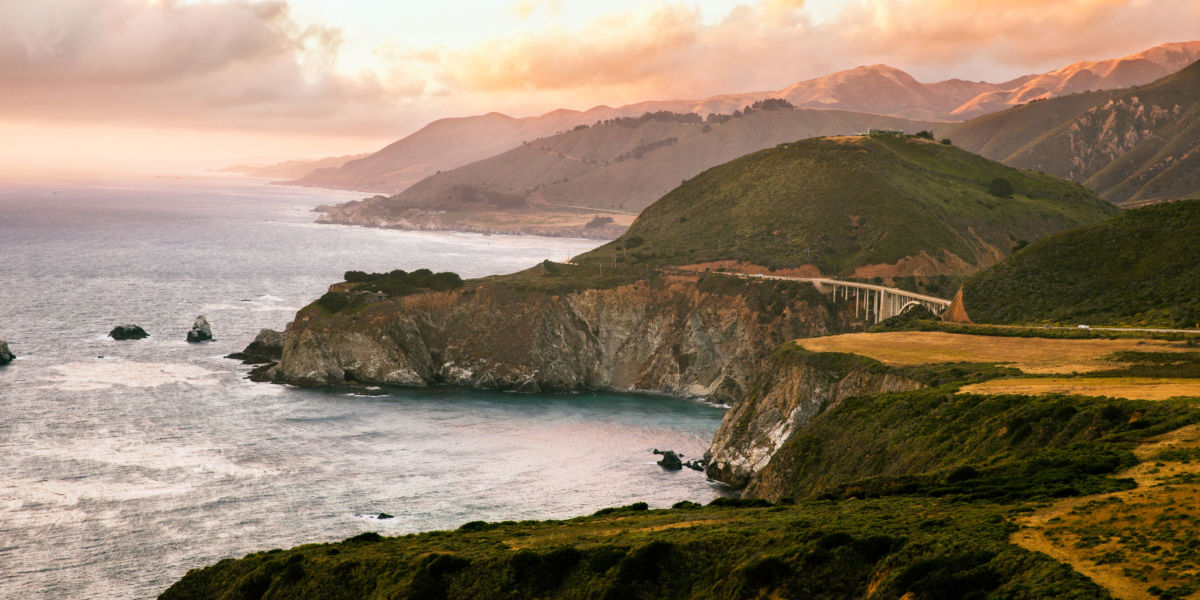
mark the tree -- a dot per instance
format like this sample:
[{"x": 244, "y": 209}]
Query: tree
[{"x": 1000, "y": 188}]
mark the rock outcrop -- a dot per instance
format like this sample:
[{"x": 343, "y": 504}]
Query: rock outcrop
[
  {"x": 6, "y": 355},
  {"x": 671, "y": 336},
  {"x": 267, "y": 347},
  {"x": 128, "y": 332},
  {"x": 792, "y": 388},
  {"x": 670, "y": 460},
  {"x": 201, "y": 331}
]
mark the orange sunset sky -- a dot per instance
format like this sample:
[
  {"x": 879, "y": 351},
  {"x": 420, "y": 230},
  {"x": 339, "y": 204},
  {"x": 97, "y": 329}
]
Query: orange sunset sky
[{"x": 146, "y": 86}]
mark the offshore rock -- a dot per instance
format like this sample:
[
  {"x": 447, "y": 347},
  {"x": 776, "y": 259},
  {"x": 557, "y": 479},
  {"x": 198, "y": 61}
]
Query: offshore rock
[
  {"x": 128, "y": 332},
  {"x": 669, "y": 336},
  {"x": 267, "y": 347},
  {"x": 793, "y": 387},
  {"x": 201, "y": 331},
  {"x": 6, "y": 355},
  {"x": 670, "y": 461}
]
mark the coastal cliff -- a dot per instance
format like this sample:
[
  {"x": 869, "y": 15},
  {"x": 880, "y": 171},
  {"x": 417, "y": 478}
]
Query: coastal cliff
[
  {"x": 690, "y": 336},
  {"x": 790, "y": 389}
]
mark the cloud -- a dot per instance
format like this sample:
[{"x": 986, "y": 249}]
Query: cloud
[
  {"x": 239, "y": 64},
  {"x": 668, "y": 51},
  {"x": 609, "y": 51},
  {"x": 246, "y": 65},
  {"x": 524, "y": 9}
]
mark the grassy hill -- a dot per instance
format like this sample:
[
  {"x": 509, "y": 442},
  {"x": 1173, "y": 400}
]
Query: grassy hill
[
  {"x": 1134, "y": 145},
  {"x": 1141, "y": 267},
  {"x": 846, "y": 203}
]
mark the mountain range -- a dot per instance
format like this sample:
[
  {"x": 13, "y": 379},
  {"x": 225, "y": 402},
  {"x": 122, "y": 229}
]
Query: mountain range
[
  {"x": 1132, "y": 146},
  {"x": 616, "y": 168},
  {"x": 879, "y": 89}
]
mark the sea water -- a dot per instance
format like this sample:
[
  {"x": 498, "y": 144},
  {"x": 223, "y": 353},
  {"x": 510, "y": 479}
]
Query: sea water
[{"x": 124, "y": 464}]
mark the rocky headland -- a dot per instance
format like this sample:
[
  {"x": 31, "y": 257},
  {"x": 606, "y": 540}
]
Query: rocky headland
[{"x": 699, "y": 335}]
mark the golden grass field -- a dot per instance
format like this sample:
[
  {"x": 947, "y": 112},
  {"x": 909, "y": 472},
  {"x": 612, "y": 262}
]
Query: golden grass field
[
  {"x": 1132, "y": 540},
  {"x": 1140, "y": 388},
  {"x": 1035, "y": 356}
]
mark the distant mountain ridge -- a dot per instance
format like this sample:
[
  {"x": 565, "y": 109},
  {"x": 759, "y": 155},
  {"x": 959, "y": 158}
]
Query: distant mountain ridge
[
  {"x": 450, "y": 143},
  {"x": 1132, "y": 146},
  {"x": 628, "y": 164},
  {"x": 291, "y": 169}
]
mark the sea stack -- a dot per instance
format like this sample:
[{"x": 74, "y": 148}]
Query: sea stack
[
  {"x": 201, "y": 331},
  {"x": 6, "y": 356},
  {"x": 128, "y": 332}
]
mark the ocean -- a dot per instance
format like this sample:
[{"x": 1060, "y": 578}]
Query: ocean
[{"x": 125, "y": 464}]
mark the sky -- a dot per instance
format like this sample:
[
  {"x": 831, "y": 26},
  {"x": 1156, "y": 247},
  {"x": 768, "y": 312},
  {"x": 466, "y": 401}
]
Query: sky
[{"x": 164, "y": 85}]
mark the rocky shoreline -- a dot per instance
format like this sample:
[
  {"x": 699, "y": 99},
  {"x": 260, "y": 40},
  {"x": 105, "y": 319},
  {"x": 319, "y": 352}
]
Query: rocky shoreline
[{"x": 681, "y": 337}]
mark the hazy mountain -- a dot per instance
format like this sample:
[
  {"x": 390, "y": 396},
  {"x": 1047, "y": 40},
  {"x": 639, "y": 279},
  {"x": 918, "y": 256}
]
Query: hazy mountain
[
  {"x": 622, "y": 165},
  {"x": 449, "y": 143},
  {"x": 292, "y": 169},
  {"x": 1128, "y": 71},
  {"x": 1135, "y": 145}
]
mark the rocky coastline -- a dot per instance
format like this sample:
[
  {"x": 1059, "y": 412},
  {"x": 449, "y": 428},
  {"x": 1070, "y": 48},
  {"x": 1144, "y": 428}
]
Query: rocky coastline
[
  {"x": 368, "y": 213},
  {"x": 684, "y": 337}
]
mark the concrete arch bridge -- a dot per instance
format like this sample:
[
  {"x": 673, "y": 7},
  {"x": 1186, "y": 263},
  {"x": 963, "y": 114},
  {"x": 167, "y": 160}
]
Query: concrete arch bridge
[{"x": 874, "y": 302}]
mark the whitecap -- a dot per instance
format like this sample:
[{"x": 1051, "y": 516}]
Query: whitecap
[{"x": 111, "y": 372}]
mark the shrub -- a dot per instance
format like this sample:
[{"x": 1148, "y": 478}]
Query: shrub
[
  {"x": 333, "y": 302},
  {"x": 1000, "y": 188}
]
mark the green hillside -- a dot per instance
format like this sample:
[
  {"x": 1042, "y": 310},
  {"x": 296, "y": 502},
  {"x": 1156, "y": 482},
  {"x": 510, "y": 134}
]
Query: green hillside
[
  {"x": 1134, "y": 145},
  {"x": 846, "y": 202},
  {"x": 1139, "y": 268}
]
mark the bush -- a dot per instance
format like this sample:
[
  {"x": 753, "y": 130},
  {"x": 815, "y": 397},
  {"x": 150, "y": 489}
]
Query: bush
[
  {"x": 333, "y": 302},
  {"x": 1000, "y": 188}
]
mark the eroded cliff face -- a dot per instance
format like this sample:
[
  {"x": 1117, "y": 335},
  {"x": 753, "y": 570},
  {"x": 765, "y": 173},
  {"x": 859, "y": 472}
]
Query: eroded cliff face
[
  {"x": 668, "y": 336},
  {"x": 789, "y": 391}
]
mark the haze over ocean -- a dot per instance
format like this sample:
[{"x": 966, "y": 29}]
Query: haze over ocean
[{"x": 118, "y": 474}]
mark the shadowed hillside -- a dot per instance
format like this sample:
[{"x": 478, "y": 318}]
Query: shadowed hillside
[{"x": 1141, "y": 267}]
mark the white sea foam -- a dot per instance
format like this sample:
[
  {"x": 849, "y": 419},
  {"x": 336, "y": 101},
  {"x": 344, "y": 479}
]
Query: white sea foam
[{"x": 108, "y": 373}]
